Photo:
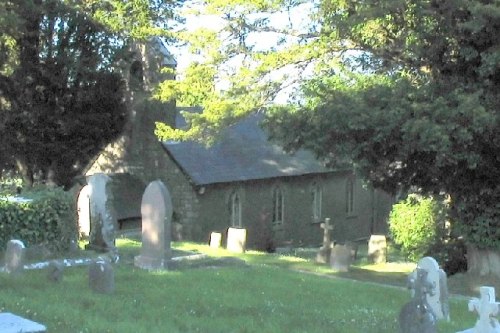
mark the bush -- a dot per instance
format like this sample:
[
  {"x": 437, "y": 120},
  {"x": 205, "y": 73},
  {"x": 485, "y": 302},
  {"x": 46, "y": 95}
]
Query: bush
[
  {"x": 417, "y": 224},
  {"x": 48, "y": 219}
]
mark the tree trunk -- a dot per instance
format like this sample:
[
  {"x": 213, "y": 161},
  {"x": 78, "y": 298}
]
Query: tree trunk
[
  {"x": 483, "y": 262},
  {"x": 26, "y": 172}
]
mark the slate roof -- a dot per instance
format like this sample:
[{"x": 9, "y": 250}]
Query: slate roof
[{"x": 242, "y": 153}]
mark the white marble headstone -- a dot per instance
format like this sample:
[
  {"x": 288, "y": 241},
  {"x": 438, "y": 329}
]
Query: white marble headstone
[
  {"x": 236, "y": 240},
  {"x": 487, "y": 309}
]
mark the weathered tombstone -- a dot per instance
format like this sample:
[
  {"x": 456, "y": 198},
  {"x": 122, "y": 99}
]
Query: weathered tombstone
[
  {"x": 55, "y": 271},
  {"x": 377, "y": 249},
  {"x": 323, "y": 255},
  {"x": 215, "y": 240},
  {"x": 487, "y": 309},
  {"x": 101, "y": 277},
  {"x": 416, "y": 315},
  {"x": 10, "y": 323},
  {"x": 103, "y": 221},
  {"x": 156, "y": 211},
  {"x": 83, "y": 209},
  {"x": 14, "y": 256},
  {"x": 340, "y": 258},
  {"x": 236, "y": 240}
]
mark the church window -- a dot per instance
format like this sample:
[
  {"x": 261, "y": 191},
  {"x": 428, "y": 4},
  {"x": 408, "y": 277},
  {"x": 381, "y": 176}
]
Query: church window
[
  {"x": 235, "y": 206},
  {"x": 317, "y": 201},
  {"x": 278, "y": 205},
  {"x": 350, "y": 197},
  {"x": 136, "y": 76}
]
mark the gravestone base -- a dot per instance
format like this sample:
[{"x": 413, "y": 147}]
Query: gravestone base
[{"x": 150, "y": 263}]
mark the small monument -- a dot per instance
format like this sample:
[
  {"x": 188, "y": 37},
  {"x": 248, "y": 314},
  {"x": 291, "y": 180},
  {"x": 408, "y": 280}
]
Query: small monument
[
  {"x": 340, "y": 258},
  {"x": 156, "y": 211},
  {"x": 101, "y": 277},
  {"x": 323, "y": 255},
  {"x": 487, "y": 309},
  {"x": 14, "y": 257},
  {"x": 215, "y": 240},
  {"x": 377, "y": 249},
  {"x": 416, "y": 316},
  {"x": 236, "y": 240}
]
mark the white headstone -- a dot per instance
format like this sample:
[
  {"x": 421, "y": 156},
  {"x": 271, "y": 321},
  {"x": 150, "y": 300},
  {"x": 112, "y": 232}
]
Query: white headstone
[
  {"x": 377, "y": 249},
  {"x": 236, "y": 240},
  {"x": 10, "y": 323},
  {"x": 215, "y": 240},
  {"x": 83, "y": 208},
  {"x": 14, "y": 256},
  {"x": 156, "y": 211},
  {"x": 340, "y": 258},
  {"x": 487, "y": 309}
]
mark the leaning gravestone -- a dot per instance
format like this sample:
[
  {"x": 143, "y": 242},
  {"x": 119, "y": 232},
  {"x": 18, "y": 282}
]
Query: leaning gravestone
[
  {"x": 236, "y": 240},
  {"x": 10, "y": 323},
  {"x": 487, "y": 309},
  {"x": 416, "y": 316},
  {"x": 323, "y": 255},
  {"x": 215, "y": 240},
  {"x": 340, "y": 258},
  {"x": 101, "y": 277},
  {"x": 14, "y": 257},
  {"x": 377, "y": 249},
  {"x": 439, "y": 300},
  {"x": 156, "y": 211},
  {"x": 103, "y": 221}
]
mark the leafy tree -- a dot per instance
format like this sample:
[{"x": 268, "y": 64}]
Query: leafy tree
[{"x": 62, "y": 97}]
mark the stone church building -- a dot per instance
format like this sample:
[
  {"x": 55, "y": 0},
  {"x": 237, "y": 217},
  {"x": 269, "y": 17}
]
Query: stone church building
[{"x": 241, "y": 181}]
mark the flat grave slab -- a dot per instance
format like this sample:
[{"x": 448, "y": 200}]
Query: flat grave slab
[{"x": 10, "y": 323}]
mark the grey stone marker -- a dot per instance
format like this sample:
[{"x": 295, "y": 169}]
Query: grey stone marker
[
  {"x": 487, "y": 309},
  {"x": 323, "y": 255},
  {"x": 103, "y": 222},
  {"x": 101, "y": 277},
  {"x": 416, "y": 316},
  {"x": 215, "y": 240},
  {"x": 156, "y": 211},
  {"x": 55, "y": 271},
  {"x": 14, "y": 257},
  {"x": 340, "y": 258},
  {"x": 438, "y": 301},
  {"x": 377, "y": 249},
  {"x": 236, "y": 240},
  {"x": 10, "y": 323}
]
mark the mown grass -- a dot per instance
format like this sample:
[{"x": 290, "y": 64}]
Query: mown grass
[{"x": 253, "y": 292}]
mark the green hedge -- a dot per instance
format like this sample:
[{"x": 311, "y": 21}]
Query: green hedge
[{"x": 49, "y": 219}]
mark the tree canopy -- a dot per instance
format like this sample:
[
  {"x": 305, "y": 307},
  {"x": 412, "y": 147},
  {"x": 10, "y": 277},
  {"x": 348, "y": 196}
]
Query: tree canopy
[{"x": 406, "y": 90}]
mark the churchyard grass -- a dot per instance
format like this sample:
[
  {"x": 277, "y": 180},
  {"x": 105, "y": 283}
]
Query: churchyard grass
[{"x": 265, "y": 294}]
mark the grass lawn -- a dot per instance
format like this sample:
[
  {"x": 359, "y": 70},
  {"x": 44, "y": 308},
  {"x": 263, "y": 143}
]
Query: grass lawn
[{"x": 257, "y": 293}]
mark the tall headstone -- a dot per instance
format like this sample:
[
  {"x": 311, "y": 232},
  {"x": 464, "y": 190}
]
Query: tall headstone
[
  {"x": 236, "y": 240},
  {"x": 340, "y": 258},
  {"x": 215, "y": 240},
  {"x": 156, "y": 212},
  {"x": 416, "y": 316},
  {"x": 103, "y": 222},
  {"x": 323, "y": 255},
  {"x": 83, "y": 209},
  {"x": 101, "y": 277},
  {"x": 14, "y": 256},
  {"x": 487, "y": 309},
  {"x": 377, "y": 249}
]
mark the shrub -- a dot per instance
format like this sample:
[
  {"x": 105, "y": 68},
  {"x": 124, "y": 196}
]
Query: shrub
[
  {"x": 48, "y": 219},
  {"x": 417, "y": 224}
]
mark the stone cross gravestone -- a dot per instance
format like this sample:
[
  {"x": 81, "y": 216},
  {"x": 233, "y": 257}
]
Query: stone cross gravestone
[
  {"x": 377, "y": 249},
  {"x": 10, "y": 323},
  {"x": 487, "y": 309},
  {"x": 156, "y": 211},
  {"x": 416, "y": 315},
  {"x": 103, "y": 222},
  {"x": 438, "y": 301},
  {"x": 340, "y": 258},
  {"x": 101, "y": 277},
  {"x": 83, "y": 209},
  {"x": 14, "y": 256},
  {"x": 215, "y": 240},
  {"x": 323, "y": 255},
  {"x": 236, "y": 240}
]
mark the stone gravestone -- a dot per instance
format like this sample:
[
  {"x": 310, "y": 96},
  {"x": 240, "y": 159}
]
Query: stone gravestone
[
  {"x": 236, "y": 240},
  {"x": 103, "y": 221},
  {"x": 215, "y": 240},
  {"x": 83, "y": 209},
  {"x": 487, "y": 309},
  {"x": 323, "y": 255},
  {"x": 101, "y": 277},
  {"x": 340, "y": 258},
  {"x": 416, "y": 316},
  {"x": 14, "y": 256},
  {"x": 377, "y": 249},
  {"x": 10, "y": 323},
  {"x": 156, "y": 211},
  {"x": 55, "y": 271}
]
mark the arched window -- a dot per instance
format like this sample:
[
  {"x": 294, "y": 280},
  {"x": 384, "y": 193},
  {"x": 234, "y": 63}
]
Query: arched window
[
  {"x": 278, "y": 205},
  {"x": 317, "y": 201},
  {"x": 235, "y": 206},
  {"x": 136, "y": 76},
  {"x": 350, "y": 197}
]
